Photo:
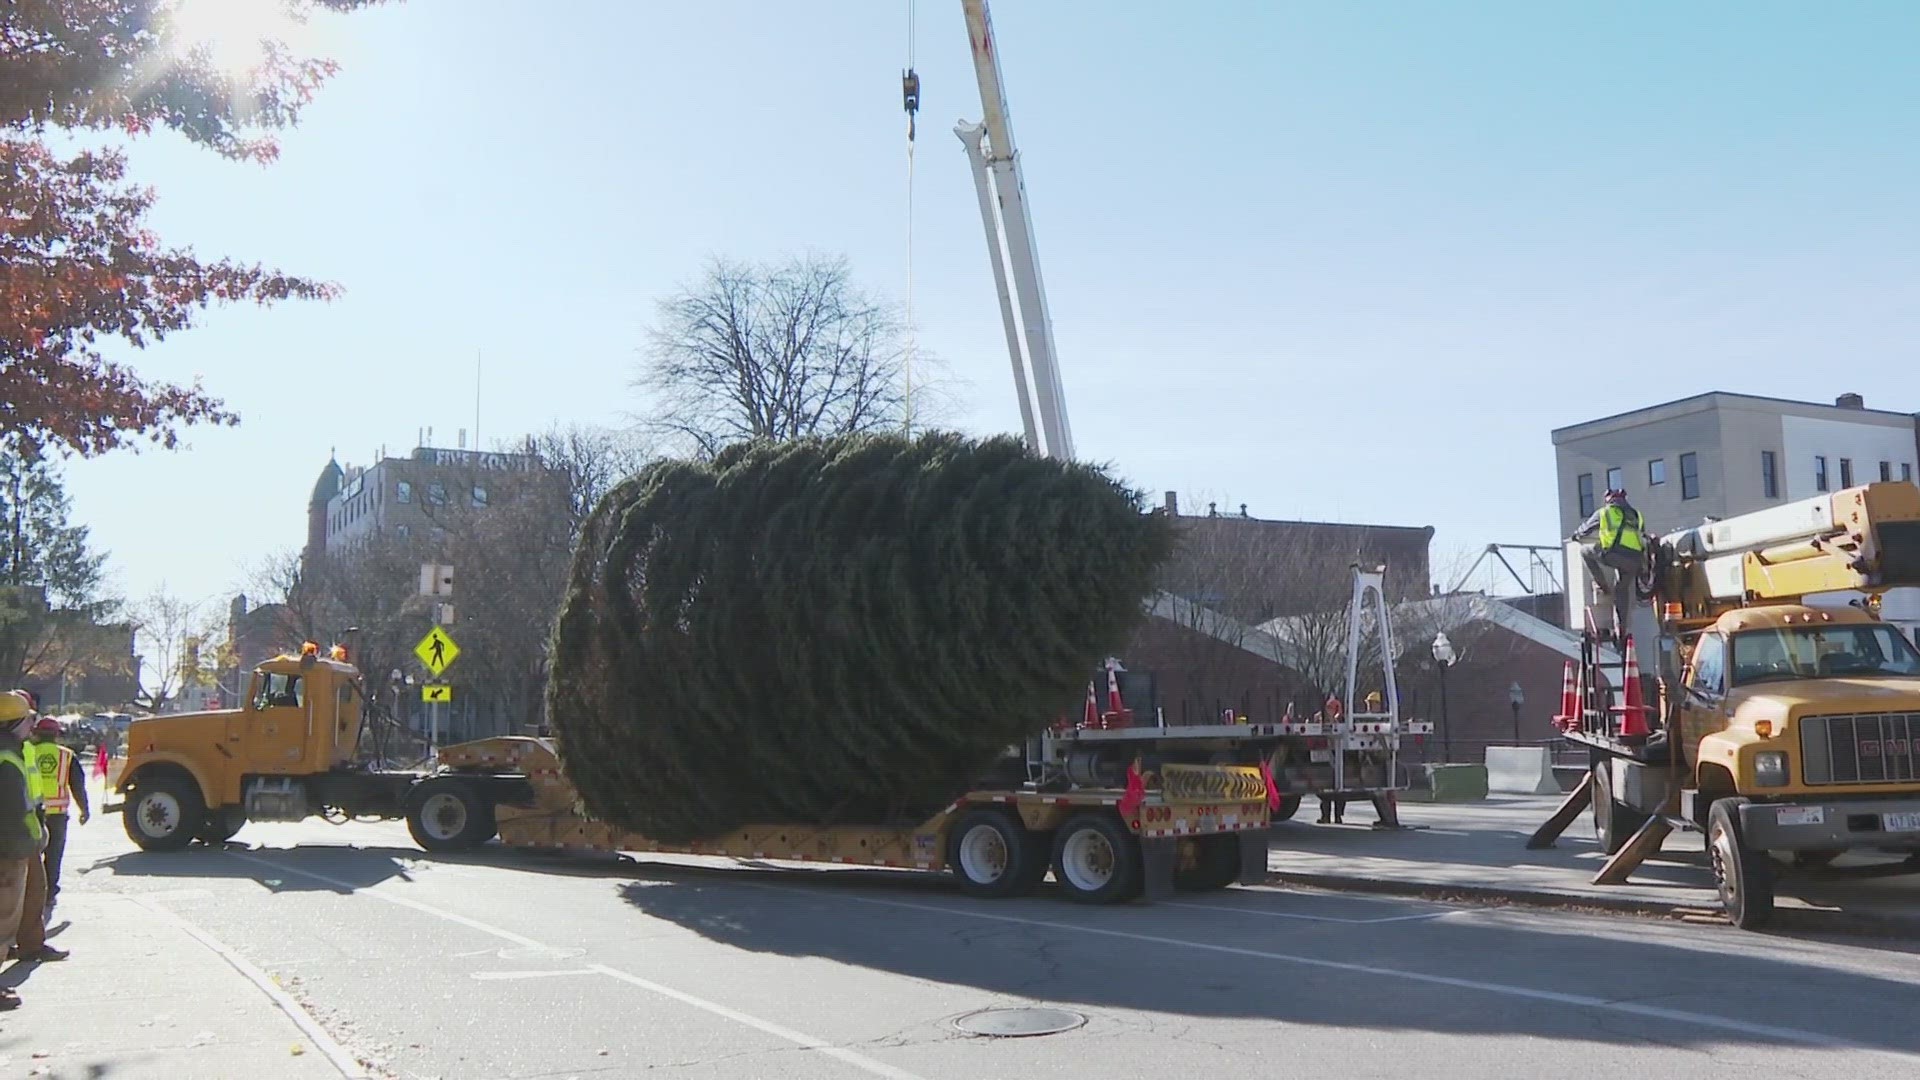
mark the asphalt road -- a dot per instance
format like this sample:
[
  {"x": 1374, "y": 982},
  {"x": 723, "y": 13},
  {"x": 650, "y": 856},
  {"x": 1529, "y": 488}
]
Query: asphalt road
[{"x": 512, "y": 965}]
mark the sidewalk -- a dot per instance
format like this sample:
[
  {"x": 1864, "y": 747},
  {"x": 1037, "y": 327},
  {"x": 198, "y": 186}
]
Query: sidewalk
[
  {"x": 147, "y": 995},
  {"x": 1478, "y": 851}
]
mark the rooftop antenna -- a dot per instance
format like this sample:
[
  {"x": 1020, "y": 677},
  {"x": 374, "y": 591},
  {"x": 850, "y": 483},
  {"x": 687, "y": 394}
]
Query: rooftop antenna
[{"x": 478, "y": 356}]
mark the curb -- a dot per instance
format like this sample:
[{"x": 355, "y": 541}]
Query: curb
[{"x": 1818, "y": 919}]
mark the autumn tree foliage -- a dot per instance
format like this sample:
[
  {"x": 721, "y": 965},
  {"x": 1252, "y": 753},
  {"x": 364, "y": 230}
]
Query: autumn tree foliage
[{"x": 79, "y": 270}]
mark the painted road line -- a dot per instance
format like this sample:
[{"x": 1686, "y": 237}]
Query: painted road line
[
  {"x": 1304, "y": 918},
  {"x": 859, "y": 1061},
  {"x": 1554, "y": 997},
  {"x": 341, "y": 1058}
]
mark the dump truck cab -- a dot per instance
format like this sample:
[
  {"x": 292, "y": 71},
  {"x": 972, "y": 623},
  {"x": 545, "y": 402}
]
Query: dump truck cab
[
  {"x": 289, "y": 752},
  {"x": 1791, "y": 700}
]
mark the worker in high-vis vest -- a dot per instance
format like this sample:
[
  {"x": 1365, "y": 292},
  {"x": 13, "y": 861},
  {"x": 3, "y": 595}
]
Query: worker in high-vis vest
[
  {"x": 20, "y": 833},
  {"x": 61, "y": 786},
  {"x": 1615, "y": 557},
  {"x": 30, "y": 939}
]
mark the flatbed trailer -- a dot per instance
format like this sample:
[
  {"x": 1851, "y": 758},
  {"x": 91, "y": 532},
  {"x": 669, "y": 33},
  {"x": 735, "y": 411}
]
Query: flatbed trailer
[{"x": 1200, "y": 827}]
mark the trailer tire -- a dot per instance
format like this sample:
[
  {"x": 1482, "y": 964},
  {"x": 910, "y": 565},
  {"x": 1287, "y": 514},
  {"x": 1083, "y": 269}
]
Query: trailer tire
[
  {"x": 1742, "y": 875},
  {"x": 1208, "y": 863},
  {"x": 220, "y": 825},
  {"x": 447, "y": 814},
  {"x": 1096, "y": 859},
  {"x": 164, "y": 812},
  {"x": 1614, "y": 822},
  {"x": 993, "y": 855},
  {"x": 1289, "y": 806}
]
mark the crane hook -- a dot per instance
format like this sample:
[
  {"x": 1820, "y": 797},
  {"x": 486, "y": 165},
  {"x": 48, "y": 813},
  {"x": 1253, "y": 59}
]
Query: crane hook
[{"x": 910, "y": 97}]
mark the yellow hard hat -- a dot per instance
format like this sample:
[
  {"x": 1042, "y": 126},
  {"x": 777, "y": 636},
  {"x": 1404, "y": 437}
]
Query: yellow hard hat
[{"x": 13, "y": 708}]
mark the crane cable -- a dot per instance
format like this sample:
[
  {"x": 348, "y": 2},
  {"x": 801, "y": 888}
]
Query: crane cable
[{"x": 910, "y": 100}]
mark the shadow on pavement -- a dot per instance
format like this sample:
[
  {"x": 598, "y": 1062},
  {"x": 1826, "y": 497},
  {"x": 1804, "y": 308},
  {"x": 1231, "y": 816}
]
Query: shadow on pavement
[{"x": 1229, "y": 960}]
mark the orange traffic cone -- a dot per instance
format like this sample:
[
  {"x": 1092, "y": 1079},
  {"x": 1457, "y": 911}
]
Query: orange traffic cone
[
  {"x": 1568, "y": 718},
  {"x": 1092, "y": 718},
  {"x": 1113, "y": 691},
  {"x": 1633, "y": 721}
]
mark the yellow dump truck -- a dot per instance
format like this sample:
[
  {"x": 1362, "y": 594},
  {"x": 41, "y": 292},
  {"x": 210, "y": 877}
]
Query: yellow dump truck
[
  {"x": 291, "y": 752},
  {"x": 1785, "y": 719}
]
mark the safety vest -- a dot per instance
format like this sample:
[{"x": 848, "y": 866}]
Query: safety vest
[
  {"x": 17, "y": 759},
  {"x": 1617, "y": 531},
  {"x": 54, "y": 763}
]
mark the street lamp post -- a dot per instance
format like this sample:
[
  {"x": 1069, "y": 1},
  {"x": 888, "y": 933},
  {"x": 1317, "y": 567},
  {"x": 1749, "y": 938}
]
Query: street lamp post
[
  {"x": 1516, "y": 697},
  {"x": 1444, "y": 655}
]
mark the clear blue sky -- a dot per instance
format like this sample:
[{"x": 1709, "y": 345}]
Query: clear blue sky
[{"x": 1335, "y": 261}]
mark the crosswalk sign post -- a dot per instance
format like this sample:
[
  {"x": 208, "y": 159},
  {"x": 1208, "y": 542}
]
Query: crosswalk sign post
[{"x": 436, "y": 652}]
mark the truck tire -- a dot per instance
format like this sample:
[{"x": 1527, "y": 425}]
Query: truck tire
[
  {"x": 219, "y": 825},
  {"x": 164, "y": 812},
  {"x": 1096, "y": 860},
  {"x": 1208, "y": 863},
  {"x": 1614, "y": 822},
  {"x": 1289, "y": 806},
  {"x": 447, "y": 814},
  {"x": 1743, "y": 876},
  {"x": 993, "y": 855}
]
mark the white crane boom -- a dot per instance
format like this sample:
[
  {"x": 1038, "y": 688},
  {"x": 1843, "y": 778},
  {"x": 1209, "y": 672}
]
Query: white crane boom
[{"x": 1003, "y": 208}]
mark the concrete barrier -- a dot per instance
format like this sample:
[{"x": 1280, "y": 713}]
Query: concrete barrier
[
  {"x": 1459, "y": 783},
  {"x": 1521, "y": 770},
  {"x": 1447, "y": 783}
]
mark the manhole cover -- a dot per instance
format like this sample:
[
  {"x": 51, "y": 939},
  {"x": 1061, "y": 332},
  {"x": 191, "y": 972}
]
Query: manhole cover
[{"x": 1014, "y": 1023}]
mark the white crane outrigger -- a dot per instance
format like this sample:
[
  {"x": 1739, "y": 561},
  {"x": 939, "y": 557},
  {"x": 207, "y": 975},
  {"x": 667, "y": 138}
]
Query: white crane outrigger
[{"x": 1003, "y": 209}]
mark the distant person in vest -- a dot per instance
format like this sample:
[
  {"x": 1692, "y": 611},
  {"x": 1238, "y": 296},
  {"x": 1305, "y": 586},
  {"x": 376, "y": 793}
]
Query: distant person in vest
[
  {"x": 1616, "y": 555},
  {"x": 19, "y": 826},
  {"x": 61, "y": 786}
]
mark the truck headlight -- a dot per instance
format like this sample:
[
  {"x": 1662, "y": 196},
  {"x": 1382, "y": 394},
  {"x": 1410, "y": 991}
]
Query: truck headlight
[{"x": 1770, "y": 769}]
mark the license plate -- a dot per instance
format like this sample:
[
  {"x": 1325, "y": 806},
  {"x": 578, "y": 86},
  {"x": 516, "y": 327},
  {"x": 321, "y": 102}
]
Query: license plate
[
  {"x": 1908, "y": 822},
  {"x": 1805, "y": 815},
  {"x": 1319, "y": 755}
]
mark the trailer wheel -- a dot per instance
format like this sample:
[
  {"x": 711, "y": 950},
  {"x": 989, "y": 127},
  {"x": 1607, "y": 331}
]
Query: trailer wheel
[
  {"x": 1614, "y": 822},
  {"x": 164, "y": 813},
  {"x": 1207, "y": 863},
  {"x": 1744, "y": 879},
  {"x": 992, "y": 854},
  {"x": 444, "y": 814},
  {"x": 1289, "y": 806},
  {"x": 1096, "y": 859}
]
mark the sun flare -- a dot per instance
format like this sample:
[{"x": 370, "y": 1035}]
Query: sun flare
[{"x": 233, "y": 32}]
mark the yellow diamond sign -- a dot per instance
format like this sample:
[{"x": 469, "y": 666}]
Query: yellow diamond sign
[
  {"x": 437, "y": 650},
  {"x": 432, "y": 693}
]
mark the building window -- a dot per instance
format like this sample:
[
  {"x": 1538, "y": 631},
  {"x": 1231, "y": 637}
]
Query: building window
[
  {"x": 1769, "y": 475},
  {"x": 1820, "y": 472},
  {"x": 437, "y": 493},
  {"x": 1906, "y": 471},
  {"x": 1657, "y": 471},
  {"x": 403, "y": 492},
  {"x": 1846, "y": 472},
  {"x": 1689, "y": 476},
  {"x": 479, "y": 495},
  {"x": 1886, "y": 470},
  {"x": 1585, "y": 484},
  {"x": 1616, "y": 480}
]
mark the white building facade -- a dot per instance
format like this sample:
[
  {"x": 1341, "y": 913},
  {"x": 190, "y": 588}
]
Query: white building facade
[{"x": 1720, "y": 454}]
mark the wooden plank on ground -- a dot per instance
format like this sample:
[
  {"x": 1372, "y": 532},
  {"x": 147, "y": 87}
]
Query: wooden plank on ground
[
  {"x": 1645, "y": 842},
  {"x": 1570, "y": 808}
]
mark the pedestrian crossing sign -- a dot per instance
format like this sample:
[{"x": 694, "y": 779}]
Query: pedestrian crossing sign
[
  {"x": 437, "y": 650},
  {"x": 436, "y": 693}
]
